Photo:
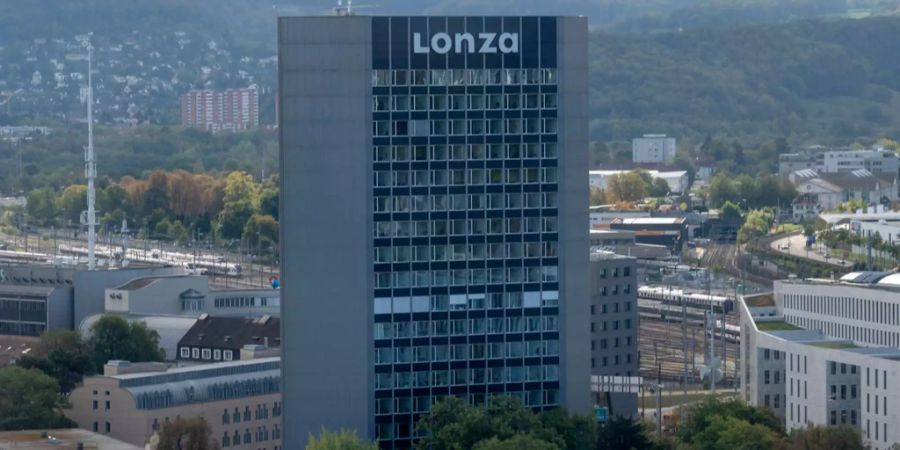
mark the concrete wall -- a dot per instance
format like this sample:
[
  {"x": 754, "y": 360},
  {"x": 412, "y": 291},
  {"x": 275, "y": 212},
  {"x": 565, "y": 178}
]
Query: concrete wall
[
  {"x": 326, "y": 225},
  {"x": 573, "y": 214},
  {"x": 60, "y": 309},
  {"x": 90, "y": 286},
  {"x": 158, "y": 297},
  {"x": 614, "y": 305}
]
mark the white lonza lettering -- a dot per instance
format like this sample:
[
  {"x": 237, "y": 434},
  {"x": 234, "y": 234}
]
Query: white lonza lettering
[{"x": 443, "y": 43}]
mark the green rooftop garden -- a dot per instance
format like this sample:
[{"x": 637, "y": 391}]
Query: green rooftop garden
[
  {"x": 776, "y": 326},
  {"x": 835, "y": 345}
]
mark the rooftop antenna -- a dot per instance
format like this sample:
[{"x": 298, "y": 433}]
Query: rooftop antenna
[{"x": 89, "y": 217}]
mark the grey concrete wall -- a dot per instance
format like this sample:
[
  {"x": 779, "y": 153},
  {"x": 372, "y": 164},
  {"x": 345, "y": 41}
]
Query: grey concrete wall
[
  {"x": 326, "y": 225},
  {"x": 159, "y": 297},
  {"x": 615, "y": 310},
  {"x": 90, "y": 286},
  {"x": 60, "y": 309},
  {"x": 573, "y": 214}
]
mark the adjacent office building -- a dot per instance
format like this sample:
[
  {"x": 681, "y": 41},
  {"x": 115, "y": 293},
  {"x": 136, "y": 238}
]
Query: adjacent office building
[
  {"x": 35, "y": 298},
  {"x": 614, "y": 326},
  {"x": 826, "y": 352},
  {"x": 434, "y": 202}
]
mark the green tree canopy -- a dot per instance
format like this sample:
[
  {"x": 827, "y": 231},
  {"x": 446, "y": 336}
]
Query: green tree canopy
[
  {"x": 517, "y": 442},
  {"x": 730, "y": 211},
  {"x": 702, "y": 415},
  {"x": 73, "y": 201},
  {"x": 112, "y": 337},
  {"x": 817, "y": 437},
  {"x": 41, "y": 206},
  {"x": 623, "y": 433},
  {"x": 340, "y": 440},
  {"x": 63, "y": 355},
  {"x": 732, "y": 433},
  {"x": 30, "y": 399}
]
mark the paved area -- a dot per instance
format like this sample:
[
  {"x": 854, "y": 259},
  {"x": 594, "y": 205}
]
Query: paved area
[{"x": 795, "y": 245}]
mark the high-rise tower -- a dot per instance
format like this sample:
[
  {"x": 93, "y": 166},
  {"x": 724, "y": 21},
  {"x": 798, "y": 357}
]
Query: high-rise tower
[{"x": 434, "y": 217}]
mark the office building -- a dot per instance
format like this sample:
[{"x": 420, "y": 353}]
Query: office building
[
  {"x": 826, "y": 352},
  {"x": 820, "y": 159},
  {"x": 879, "y": 161},
  {"x": 653, "y": 148},
  {"x": 240, "y": 400},
  {"x": 39, "y": 297},
  {"x": 228, "y": 110},
  {"x": 433, "y": 212},
  {"x": 614, "y": 326}
]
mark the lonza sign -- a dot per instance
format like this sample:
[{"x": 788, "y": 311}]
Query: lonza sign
[{"x": 443, "y": 43}]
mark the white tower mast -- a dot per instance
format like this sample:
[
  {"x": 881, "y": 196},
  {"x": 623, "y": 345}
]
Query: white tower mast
[{"x": 90, "y": 168}]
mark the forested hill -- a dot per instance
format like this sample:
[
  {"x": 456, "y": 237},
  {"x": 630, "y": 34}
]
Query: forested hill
[{"x": 825, "y": 81}]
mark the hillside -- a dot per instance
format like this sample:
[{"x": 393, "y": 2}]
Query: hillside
[
  {"x": 826, "y": 81},
  {"x": 829, "y": 81}
]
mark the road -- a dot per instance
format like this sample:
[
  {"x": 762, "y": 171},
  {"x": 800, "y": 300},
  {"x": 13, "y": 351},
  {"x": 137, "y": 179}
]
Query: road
[{"x": 795, "y": 245}]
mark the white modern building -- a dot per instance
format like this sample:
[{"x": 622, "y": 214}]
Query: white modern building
[
  {"x": 653, "y": 148},
  {"x": 826, "y": 352},
  {"x": 876, "y": 161}
]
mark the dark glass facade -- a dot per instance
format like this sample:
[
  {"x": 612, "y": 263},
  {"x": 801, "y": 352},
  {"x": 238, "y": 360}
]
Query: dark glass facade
[{"x": 464, "y": 157}]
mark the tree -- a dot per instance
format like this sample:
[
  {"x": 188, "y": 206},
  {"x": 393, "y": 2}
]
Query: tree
[
  {"x": 659, "y": 188},
  {"x": 815, "y": 437},
  {"x": 261, "y": 229},
  {"x": 453, "y": 424},
  {"x": 756, "y": 224},
  {"x": 156, "y": 195},
  {"x": 30, "y": 399},
  {"x": 63, "y": 355},
  {"x": 240, "y": 201},
  {"x": 721, "y": 190},
  {"x": 342, "y": 440},
  {"x": 186, "y": 434},
  {"x": 732, "y": 433},
  {"x": 114, "y": 338},
  {"x": 702, "y": 414},
  {"x": 730, "y": 211},
  {"x": 41, "y": 206},
  {"x": 623, "y": 433},
  {"x": 577, "y": 432},
  {"x": 517, "y": 442},
  {"x": 598, "y": 197},
  {"x": 114, "y": 198},
  {"x": 268, "y": 197},
  {"x": 73, "y": 201},
  {"x": 628, "y": 187}
]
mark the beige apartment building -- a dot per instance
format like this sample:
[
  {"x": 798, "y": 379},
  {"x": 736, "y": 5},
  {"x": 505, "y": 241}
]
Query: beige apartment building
[{"x": 241, "y": 400}]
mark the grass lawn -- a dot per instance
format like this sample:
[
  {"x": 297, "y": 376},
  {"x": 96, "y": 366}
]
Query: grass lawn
[{"x": 776, "y": 326}]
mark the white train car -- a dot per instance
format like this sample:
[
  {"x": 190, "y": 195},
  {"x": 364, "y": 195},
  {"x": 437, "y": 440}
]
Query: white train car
[{"x": 678, "y": 296}]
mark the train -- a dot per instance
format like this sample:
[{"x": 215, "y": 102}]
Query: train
[{"x": 674, "y": 296}]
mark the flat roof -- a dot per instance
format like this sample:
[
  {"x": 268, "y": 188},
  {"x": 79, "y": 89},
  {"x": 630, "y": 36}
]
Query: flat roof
[
  {"x": 650, "y": 220},
  {"x": 66, "y": 439},
  {"x": 195, "y": 368}
]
